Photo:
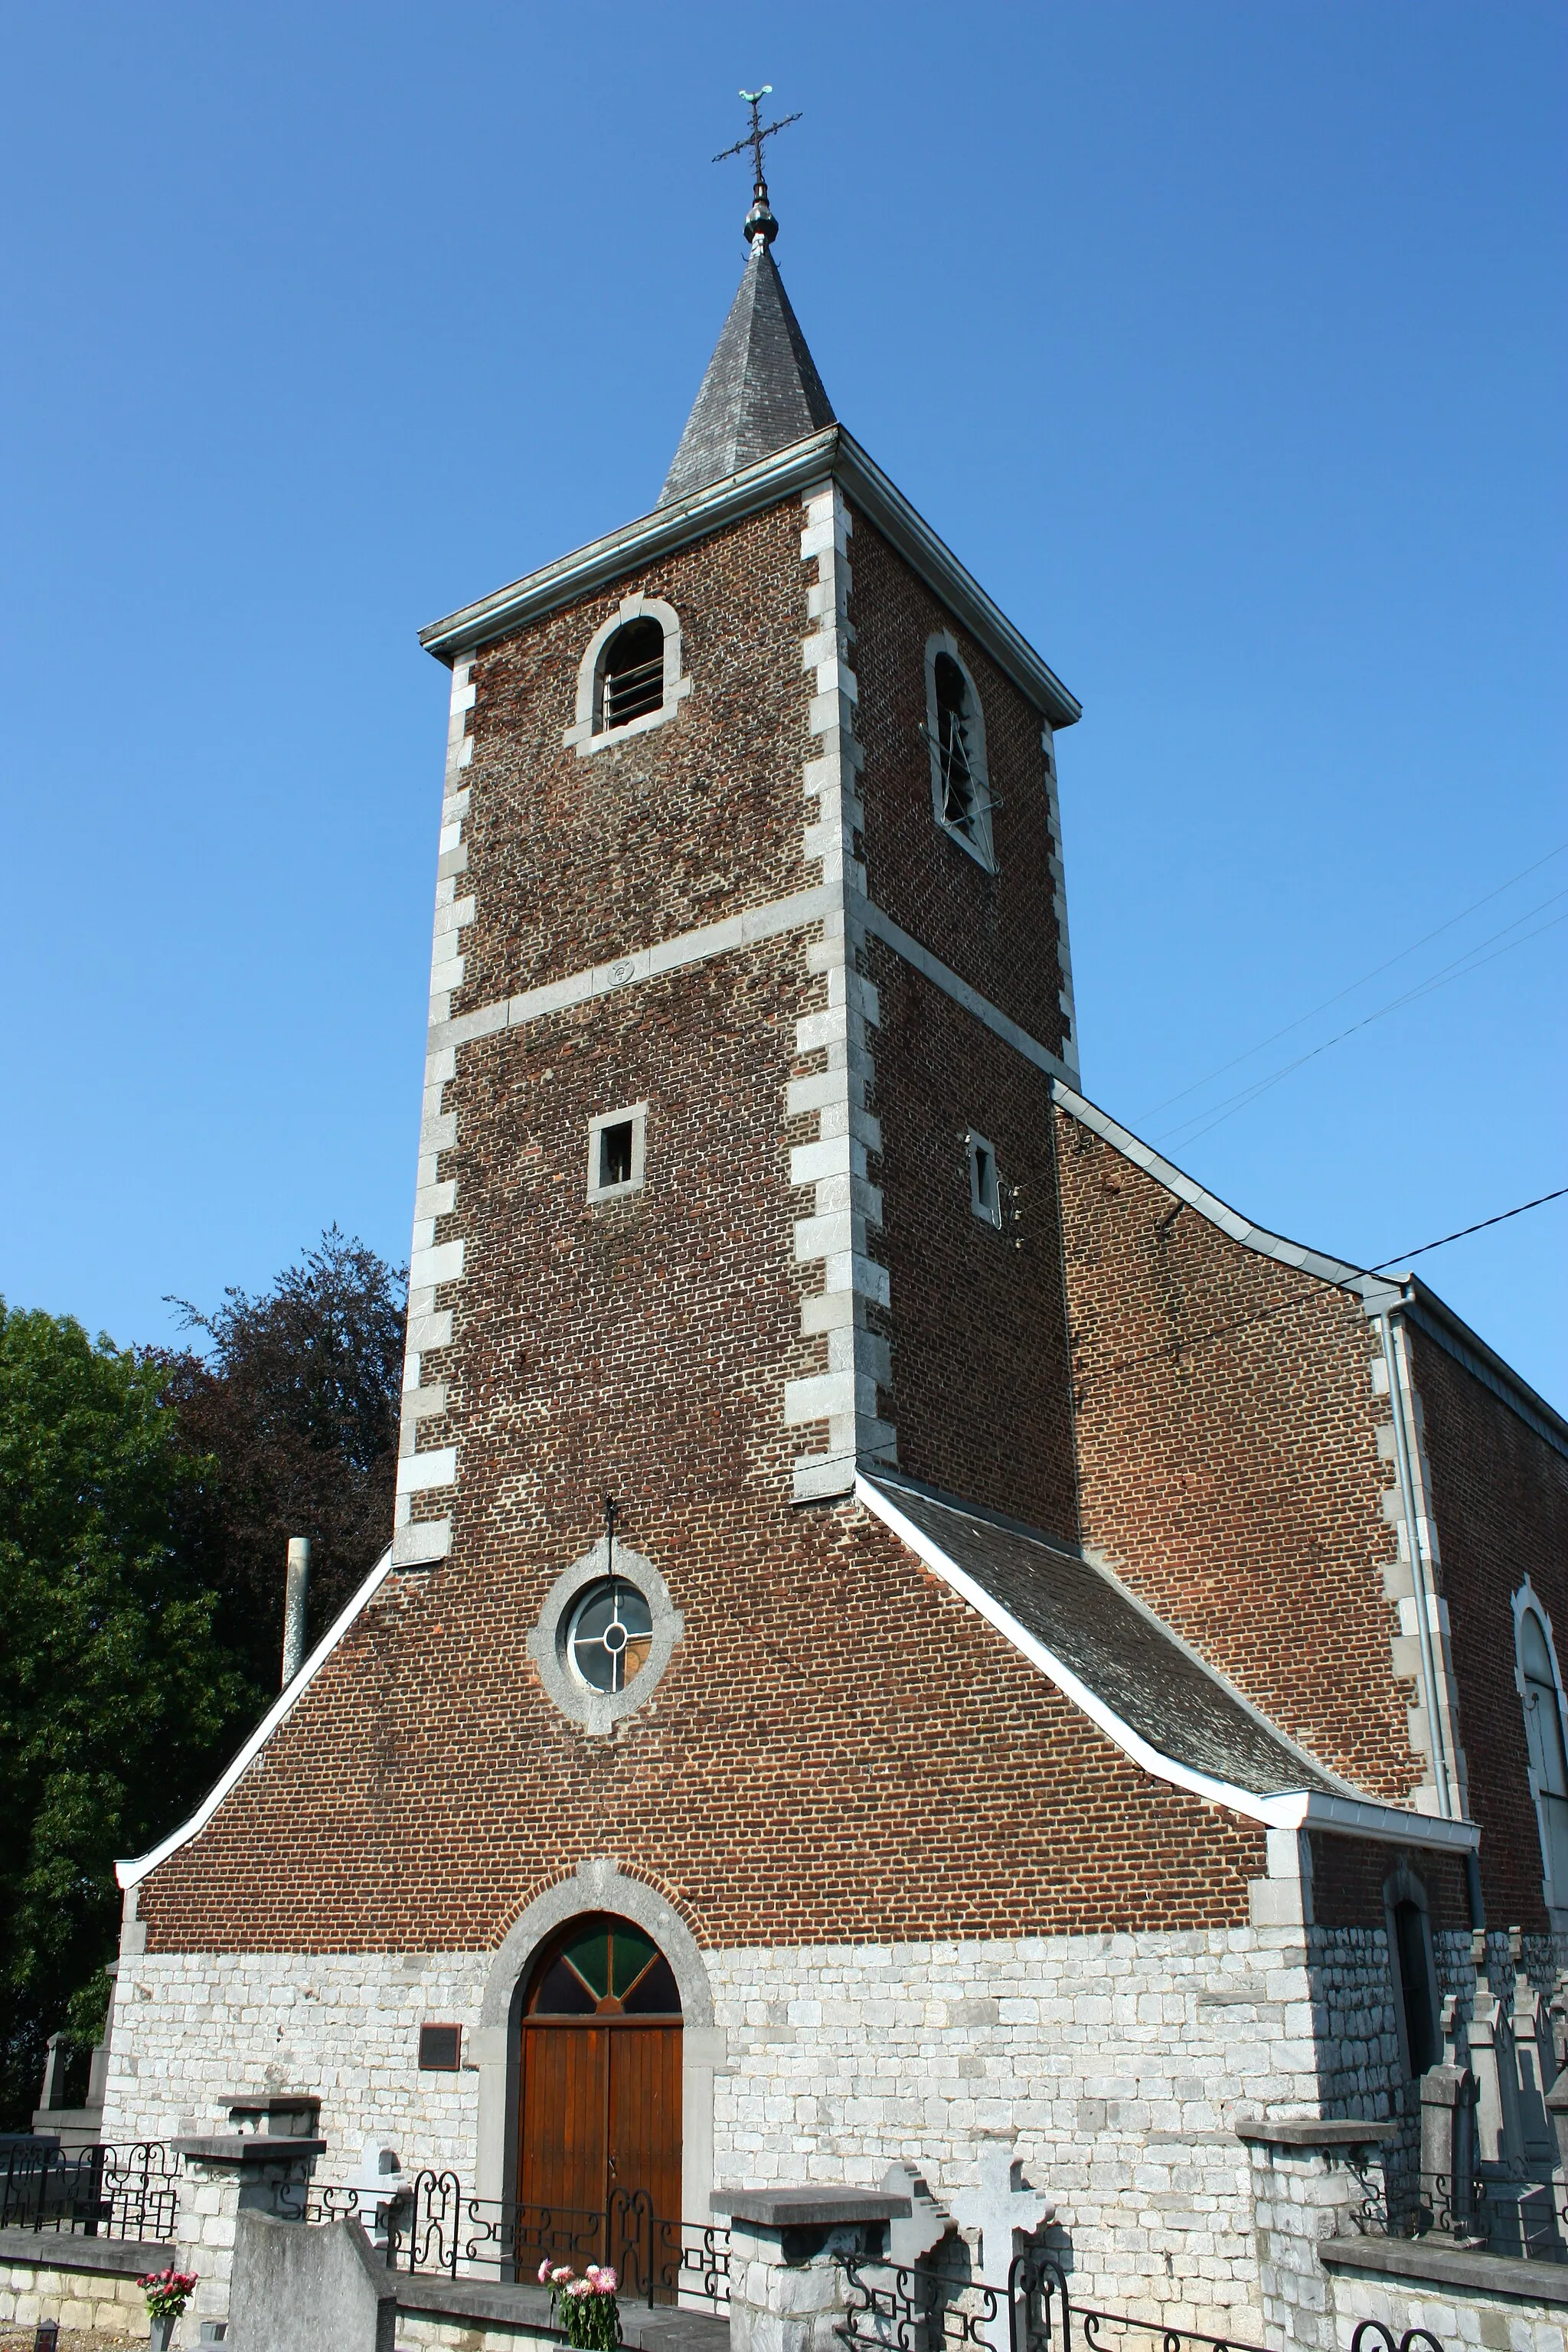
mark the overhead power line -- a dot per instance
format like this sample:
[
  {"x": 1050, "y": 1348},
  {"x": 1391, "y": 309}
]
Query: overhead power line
[
  {"x": 1461, "y": 967},
  {"x": 1350, "y": 989},
  {"x": 1299, "y": 1297}
]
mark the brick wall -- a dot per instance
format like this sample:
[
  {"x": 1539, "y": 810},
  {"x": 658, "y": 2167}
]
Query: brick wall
[
  {"x": 998, "y": 931},
  {"x": 1234, "y": 1480},
  {"x": 1500, "y": 1496}
]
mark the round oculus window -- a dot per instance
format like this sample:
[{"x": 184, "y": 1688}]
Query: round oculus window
[{"x": 609, "y": 1635}]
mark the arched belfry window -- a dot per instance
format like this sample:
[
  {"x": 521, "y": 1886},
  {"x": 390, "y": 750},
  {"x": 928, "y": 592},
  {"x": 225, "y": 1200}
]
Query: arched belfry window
[
  {"x": 631, "y": 674},
  {"x": 1541, "y": 1688},
  {"x": 955, "y": 733},
  {"x": 629, "y": 678}
]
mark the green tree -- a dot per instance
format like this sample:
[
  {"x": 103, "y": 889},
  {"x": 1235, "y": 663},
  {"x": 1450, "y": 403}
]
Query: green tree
[
  {"x": 116, "y": 1699},
  {"x": 295, "y": 1402}
]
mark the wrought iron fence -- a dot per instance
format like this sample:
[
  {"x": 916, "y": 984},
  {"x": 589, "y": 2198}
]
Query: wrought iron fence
[
  {"x": 92, "y": 2192},
  {"x": 432, "y": 2226},
  {"x": 895, "y": 2308}
]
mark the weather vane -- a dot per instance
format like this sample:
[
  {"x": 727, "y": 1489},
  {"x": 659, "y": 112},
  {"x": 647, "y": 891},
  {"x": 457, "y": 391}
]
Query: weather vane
[{"x": 760, "y": 221}]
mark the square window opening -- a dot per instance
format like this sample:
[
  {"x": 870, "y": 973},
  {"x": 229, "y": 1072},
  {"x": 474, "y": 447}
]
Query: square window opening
[
  {"x": 615, "y": 1152},
  {"x": 984, "y": 1184},
  {"x": 441, "y": 2049}
]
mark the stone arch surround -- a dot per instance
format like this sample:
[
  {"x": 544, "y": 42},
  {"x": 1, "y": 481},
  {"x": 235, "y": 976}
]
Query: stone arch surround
[{"x": 596, "y": 1885}]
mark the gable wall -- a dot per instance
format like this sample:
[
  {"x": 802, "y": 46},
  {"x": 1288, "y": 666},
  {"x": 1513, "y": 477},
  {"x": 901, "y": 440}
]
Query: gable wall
[
  {"x": 1236, "y": 1484},
  {"x": 839, "y": 1749},
  {"x": 1500, "y": 1497}
]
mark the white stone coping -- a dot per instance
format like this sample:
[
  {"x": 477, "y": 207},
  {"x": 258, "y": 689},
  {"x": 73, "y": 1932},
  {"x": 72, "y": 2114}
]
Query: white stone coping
[
  {"x": 131, "y": 1874},
  {"x": 1349, "y": 1816},
  {"x": 832, "y": 455}
]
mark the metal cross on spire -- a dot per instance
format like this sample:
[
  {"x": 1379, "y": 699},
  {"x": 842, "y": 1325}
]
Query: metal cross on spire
[{"x": 759, "y": 221}]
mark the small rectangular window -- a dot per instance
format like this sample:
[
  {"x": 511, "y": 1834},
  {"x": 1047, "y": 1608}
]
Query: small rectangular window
[
  {"x": 441, "y": 2049},
  {"x": 616, "y": 1148},
  {"x": 984, "y": 1184}
]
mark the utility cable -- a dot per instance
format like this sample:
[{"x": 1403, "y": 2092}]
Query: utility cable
[
  {"x": 1297, "y": 1298},
  {"x": 1340, "y": 995},
  {"x": 1461, "y": 968}
]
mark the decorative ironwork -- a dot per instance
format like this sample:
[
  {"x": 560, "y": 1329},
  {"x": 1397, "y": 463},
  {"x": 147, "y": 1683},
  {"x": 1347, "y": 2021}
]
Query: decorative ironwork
[
  {"x": 92, "y": 2192},
  {"x": 434, "y": 2227},
  {"x": 897, "y": 2309},
  {"x": 1371, "y": 2336}
]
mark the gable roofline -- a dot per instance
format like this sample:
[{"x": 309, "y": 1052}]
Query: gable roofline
[
  {"x": 1346, "y": 1815},
  {"x": 131, "y": 1874},
  {"x": 1380, "y": 1294},
  {"x": 833, "y": 454}
]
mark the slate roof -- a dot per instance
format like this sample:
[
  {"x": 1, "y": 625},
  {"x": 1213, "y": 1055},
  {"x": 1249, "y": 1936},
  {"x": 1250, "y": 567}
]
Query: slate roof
[
  {"x": 762, "y": 392},
  {"x": 1114, "y": 1644}
]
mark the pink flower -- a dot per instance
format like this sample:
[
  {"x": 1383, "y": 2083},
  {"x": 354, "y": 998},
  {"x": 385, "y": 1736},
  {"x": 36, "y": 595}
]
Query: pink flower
[
  {"x": 607, "y": 2281},
  {"x": 559, "y": 2277},
  {"x": 544, "y": 2271},
  {"x": 592, "y": 2272},
  {"x": 578, "y": 2289}
]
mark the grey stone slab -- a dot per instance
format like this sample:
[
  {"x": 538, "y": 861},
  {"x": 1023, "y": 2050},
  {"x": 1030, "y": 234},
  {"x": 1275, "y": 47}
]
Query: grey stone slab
[
  {"x": 811, "y": 2206},
  {"x": 54, "y": 2250},
  {"x": 249, "y": 2147},
  {"x": 1307, "y": 2131},
  {"x": 1449, "y": 2266}
]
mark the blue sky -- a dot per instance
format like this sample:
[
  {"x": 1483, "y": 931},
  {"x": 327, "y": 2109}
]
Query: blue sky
[{"x": 1224, "y": 343}]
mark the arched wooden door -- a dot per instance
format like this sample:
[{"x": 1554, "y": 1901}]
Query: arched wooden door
[{"x": 599, "y": 2098}]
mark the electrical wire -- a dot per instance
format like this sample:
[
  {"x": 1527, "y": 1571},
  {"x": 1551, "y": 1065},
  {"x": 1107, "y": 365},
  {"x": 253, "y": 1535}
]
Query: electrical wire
[
  {"x": 1461, "y": 967},
  {"x": 1340, "y": 995},
  {"x": 1298, "y": 1297}
]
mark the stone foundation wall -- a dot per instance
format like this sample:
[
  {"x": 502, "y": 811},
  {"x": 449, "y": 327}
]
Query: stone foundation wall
[
  {"x": 96, "y": 2300},
  {"x": 1119, "y": 2063},
  {"x": 1456, "y": 2317}
]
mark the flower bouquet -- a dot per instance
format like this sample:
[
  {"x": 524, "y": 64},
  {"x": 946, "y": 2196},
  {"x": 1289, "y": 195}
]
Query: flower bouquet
[
  {"x": 167, "y": 2292},
  {"x": 584, "y": 2309}
]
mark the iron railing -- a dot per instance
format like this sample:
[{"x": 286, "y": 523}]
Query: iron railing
[
  {"x": 896, "y": 2308},
  {"x": 92, "y": 2192},
  {"x": 432, "y": 2226}
]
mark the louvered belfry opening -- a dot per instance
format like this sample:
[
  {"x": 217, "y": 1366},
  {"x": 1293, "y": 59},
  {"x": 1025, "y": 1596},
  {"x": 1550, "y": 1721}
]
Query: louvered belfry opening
[
  {"x": 952, "y": 743},
  {"x": 632, "y": 673}
]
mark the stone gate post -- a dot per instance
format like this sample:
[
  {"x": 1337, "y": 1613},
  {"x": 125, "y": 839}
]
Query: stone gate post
[
  {"x": 786, "y": 2281},
  {"x": 226, "y": 2175}
]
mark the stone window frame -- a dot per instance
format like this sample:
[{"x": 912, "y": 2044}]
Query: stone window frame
[
  {"x": 979, "y": 845},
  {"x": 1402, "y": 1885},
  {"x": 598, "y": 1712},
  {"x": 638, "y": 1114},
  {"x": 1527, "y": 1601},
  {"x": 588, "y": 732},
  {"x": 988, "y": 1211}
]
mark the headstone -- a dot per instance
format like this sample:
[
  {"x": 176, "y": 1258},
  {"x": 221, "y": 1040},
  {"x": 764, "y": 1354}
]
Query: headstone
[
  {"x": 910, "y": 2239},
  {"x": 1003, "y": 2208}
]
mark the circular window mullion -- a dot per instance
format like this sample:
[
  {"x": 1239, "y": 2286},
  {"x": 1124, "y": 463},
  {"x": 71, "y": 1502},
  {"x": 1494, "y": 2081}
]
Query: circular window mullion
[{"x": 594, "y": 1681}]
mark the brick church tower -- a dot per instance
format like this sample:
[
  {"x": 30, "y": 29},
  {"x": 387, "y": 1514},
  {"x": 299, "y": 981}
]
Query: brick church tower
[{"x": 814, "y": 1712}]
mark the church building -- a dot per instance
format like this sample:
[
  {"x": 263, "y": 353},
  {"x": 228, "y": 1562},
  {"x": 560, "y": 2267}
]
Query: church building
[{"x": 911, "y": 1626}]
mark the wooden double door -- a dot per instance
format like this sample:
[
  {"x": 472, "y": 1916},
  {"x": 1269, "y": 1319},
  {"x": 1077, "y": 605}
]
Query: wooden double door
[{"x": 599, "y": 2101}]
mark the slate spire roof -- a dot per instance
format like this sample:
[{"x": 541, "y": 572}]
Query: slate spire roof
[{"x": 762, "y": 391}]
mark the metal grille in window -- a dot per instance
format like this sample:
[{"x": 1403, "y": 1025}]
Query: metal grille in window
[
  {"x": 440, "y": 2047},
  {"x": 633, "y": 672},
  {"x": 960, "y": 786}
]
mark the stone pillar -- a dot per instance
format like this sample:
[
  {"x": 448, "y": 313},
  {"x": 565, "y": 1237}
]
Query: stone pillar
[
  {"x": 225, "y": 2176},
  {"x": 1304, "y": 2189},
  {"x": 1449, "y": 2148},
  {"x": 787, "y": 2288}
]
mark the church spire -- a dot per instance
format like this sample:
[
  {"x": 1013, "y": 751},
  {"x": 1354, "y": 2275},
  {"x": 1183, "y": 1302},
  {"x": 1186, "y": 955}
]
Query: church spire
[{"x": 762, "y": 390}]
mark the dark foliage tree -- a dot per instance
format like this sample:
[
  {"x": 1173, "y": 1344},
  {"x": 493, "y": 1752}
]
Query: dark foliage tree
[
  {"x": 116, "y": 1699},
  {"x": 295, "y": 1399}
]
